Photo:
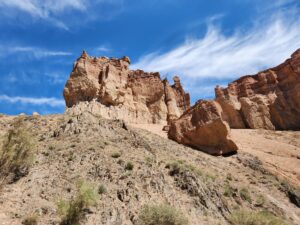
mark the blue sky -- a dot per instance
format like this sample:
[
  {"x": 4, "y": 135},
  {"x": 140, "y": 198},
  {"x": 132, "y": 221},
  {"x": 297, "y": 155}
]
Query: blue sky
[{"x": 205, "y": 42}]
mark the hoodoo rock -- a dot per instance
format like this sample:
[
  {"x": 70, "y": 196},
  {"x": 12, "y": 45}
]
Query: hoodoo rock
[
  {"x": 108, "y": 88},
  {"x": 267, "y": 100},
  {"x": 202, "y": 127}
]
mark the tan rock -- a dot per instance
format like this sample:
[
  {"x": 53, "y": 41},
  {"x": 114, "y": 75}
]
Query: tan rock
[
  {"x": 35, "y": 114},
  {"x": 202, "y": 127},
  {"x": 113, "y": 91},
  {"x": 268, "y": 100}
]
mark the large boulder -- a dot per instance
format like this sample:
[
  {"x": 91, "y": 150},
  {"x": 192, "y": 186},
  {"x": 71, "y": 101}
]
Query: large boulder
[
  {"x": 202, "y": 127},
  {"x": 267, "y": 100},
  {"x": 108, "y": 88}
]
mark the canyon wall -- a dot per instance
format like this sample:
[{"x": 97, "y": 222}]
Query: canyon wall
[
  {"x": 108, "y": 87},
  {"x": 267, "y": 100}
]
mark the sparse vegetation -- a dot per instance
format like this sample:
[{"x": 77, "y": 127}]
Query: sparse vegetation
[
  {"x": 17, "y": 152},
  {"x": 161, "y": 215},
  {"x": 260, "y": 201},
  {"x": 243, "y": 217},
  {"x": 116, "y": 155},
  {"x": 149, "y": 160},
  {"x": 180, "y": 166},
  {"x": 229, "y": 177},
  {"x": 72, "y": 212},
  {"x": 129, "y": 166},
  {"x": 228, "y": 190},
  {"x": 245, "y": 195},
  {"x": 30, "y": 220},
  {"x": 102, "y": 189}
]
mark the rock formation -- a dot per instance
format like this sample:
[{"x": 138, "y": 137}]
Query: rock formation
[
  {"x": 202, "y": 127},
  {"x": 268, "y": 100},
  {"x": 108, "y": 88}
]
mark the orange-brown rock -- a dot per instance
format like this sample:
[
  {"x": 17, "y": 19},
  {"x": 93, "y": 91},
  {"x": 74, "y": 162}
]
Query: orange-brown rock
[
  {"x": 202, "y": 127},
  {"x": 107, "y": 87},
  {"x": 268, "y": 100}
]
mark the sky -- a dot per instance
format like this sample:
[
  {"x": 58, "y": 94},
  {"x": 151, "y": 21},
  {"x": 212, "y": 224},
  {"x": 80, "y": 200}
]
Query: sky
[{"x": 206, "y": 43}]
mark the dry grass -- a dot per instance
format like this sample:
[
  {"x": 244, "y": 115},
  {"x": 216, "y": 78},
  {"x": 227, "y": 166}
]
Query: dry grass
[
  {"x": 72, "y": 212},
  {"x": 255, "y": 218},
  {"x": 161, "y": 215},
  {"x": 30, "y": 220},
  {"x": 17, "y": 152}
]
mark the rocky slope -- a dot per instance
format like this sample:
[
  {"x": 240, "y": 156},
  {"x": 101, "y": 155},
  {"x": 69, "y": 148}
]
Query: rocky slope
[
  {"x": 70, "y": 148},
  {"x": 116, "y": 92}
]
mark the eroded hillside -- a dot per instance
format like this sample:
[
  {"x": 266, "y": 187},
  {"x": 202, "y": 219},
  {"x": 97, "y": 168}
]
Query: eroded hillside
[{"x": 130, "y": 168}]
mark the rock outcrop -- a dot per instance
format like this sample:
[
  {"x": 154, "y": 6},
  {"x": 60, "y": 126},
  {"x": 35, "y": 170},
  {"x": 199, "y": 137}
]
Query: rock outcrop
[
  {"x": 108, "y": 88},
  {"x": 202, "y": 127},
  {"x": 267, "y": 100}
]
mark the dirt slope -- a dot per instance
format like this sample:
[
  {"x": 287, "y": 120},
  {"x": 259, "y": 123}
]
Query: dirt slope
[{"x": 69, "y": 149}]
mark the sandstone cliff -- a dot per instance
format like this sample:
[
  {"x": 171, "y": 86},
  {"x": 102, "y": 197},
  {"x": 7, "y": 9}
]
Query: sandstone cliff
[
  {"x": 268, "y": 100},
  {"x": 108, "y": 88}
]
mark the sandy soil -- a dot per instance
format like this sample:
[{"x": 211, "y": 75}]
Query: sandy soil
[{"x": 278, "y": 150}]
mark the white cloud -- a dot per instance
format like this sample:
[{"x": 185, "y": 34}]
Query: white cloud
[
  {"x": 42, "y": 8},
  {"x": 101, "y": 49},
  {"x": 32, "y": 51},
  {"x": 215, "y": 55},
  {"x": 51, "y": 10},
  {"x": 53, "y": 102}
]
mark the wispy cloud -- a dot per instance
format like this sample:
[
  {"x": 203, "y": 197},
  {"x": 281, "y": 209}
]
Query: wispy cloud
[
  {"x": 53, "y": 102},
  {"x": 43, "y": 8},
  {"x": 103, "y": 49},
  {"x": 36, "y": 52},
  {"x": 51, "y": 10},
  {"x": 216, "y": 55}
]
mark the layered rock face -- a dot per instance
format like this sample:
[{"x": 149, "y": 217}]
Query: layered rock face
[
  {"x": 202, "y": 127},
  {"x": 268, "y": 100},
  {"x": 108, "y": 88}
]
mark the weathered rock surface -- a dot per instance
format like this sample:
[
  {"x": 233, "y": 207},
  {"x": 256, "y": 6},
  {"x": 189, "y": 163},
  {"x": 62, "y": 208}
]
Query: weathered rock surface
[
  {"x": 202, "y": 127},
  {"x": 113, "y": 91},
  {"x": 268, "y": 100}
]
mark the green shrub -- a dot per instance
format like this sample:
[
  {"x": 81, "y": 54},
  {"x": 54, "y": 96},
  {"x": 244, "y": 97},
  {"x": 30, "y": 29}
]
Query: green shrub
[
  {"x": 129, "y": 166},
  {"x": 242, "y": 217},
  {"x": 228, "y": 190},
  {"x": 72, "y": 212},
  {"x": 161, "y": 215},
  {"x": 17, "y": 152},
  {"x": 116, "y": 155},
  {"x": 102, "y": 189},
  {"x": 30, "y": 220},
  {"x": 180, "y": 166},
  {"x": 245, "y": 195}
]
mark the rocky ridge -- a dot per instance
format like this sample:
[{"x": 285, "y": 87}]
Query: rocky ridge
[
  {"x": 268, "y": 100},
  {"x": 116, "y": 92}
]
